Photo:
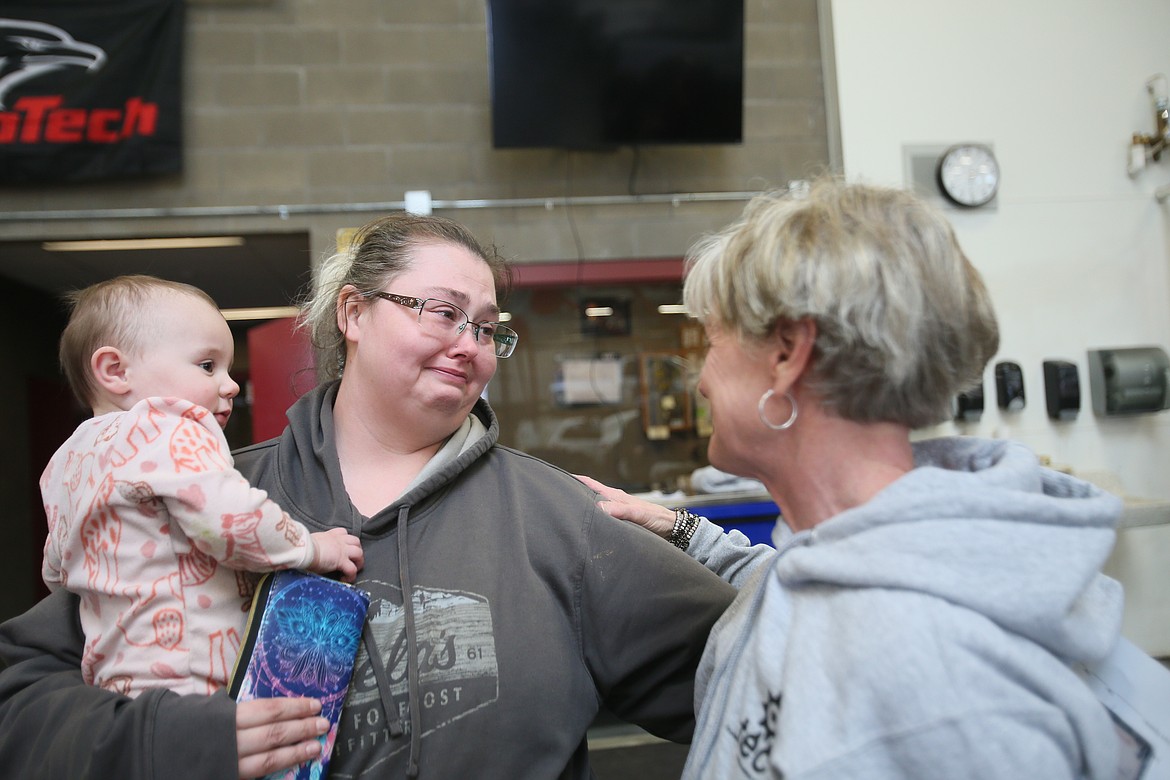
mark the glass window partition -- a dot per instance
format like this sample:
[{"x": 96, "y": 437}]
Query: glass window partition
[{"x": 603, "y": 382}]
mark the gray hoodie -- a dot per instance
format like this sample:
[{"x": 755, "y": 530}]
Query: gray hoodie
[
  {"x": 530, "y": 609},
  {"x": 924, "y": 634}
]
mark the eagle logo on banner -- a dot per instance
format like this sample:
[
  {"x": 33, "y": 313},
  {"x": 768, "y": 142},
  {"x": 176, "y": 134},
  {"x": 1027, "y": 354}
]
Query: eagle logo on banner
[
  {"x": 32, "y": 49},
  {"x": 88, "y": 94}
]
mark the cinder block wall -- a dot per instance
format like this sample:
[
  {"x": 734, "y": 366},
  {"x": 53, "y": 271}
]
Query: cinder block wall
[{"x": 356, "y": 101}]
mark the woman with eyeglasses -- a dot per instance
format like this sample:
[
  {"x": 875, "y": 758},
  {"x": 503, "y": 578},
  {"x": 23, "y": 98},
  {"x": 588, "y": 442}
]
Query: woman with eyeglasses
[{"x": 507, "y": 609}]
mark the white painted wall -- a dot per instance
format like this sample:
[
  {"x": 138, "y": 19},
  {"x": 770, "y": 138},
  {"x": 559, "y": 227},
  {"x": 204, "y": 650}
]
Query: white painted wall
[{"x": 1076, "y": 253}]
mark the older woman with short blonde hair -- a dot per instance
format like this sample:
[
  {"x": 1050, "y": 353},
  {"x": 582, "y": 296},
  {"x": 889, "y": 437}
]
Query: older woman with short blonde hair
[{"x": 919, "y": 614}]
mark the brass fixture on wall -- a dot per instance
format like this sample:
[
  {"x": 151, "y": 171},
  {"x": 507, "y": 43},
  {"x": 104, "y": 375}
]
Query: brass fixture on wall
[{"x": 1145, "y": 147}]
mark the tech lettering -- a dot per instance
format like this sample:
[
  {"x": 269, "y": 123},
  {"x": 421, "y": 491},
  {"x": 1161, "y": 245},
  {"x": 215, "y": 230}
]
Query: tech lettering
[{"x": 41, "y": 120}]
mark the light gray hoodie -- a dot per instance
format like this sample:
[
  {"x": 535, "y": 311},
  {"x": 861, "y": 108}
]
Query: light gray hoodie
[{"x": 924, "y": 634}]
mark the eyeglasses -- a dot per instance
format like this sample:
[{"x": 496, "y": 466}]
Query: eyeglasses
[{"x": 446, "y": 320}]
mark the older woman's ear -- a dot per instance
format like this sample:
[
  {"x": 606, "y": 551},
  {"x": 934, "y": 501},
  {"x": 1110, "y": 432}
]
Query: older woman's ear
[{"x": 794, "y": 342}]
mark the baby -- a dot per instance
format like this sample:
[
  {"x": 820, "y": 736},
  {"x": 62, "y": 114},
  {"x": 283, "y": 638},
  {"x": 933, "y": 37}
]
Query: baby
[{"x": 149, "y": 523}]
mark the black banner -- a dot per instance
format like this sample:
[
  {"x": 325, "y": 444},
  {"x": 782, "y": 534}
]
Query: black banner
[{"x": 90, "y": 89}]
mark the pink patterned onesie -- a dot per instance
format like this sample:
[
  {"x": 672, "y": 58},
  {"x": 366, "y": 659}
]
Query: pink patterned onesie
[{"x": 144, "y": 506}]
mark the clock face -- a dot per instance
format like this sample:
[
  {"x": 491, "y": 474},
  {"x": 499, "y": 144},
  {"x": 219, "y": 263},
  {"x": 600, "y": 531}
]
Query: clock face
[{"x": 968, "y": 175}]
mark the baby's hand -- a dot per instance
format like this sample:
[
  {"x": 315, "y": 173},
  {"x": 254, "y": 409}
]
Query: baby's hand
[{"x": 336, "y": 550}]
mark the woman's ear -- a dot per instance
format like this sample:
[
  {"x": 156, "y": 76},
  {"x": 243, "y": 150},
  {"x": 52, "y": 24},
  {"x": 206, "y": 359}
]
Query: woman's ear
[
  {"x": 794, "y": 344},
  {"x": 350, "y": 304},
  {"x": 109, "y": 370}
]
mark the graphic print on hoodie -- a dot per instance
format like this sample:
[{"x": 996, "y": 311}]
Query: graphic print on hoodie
[{"x": 456, "y": 662}]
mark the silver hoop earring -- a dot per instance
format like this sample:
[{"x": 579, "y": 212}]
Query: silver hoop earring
[{"x": 764, "y": 418}]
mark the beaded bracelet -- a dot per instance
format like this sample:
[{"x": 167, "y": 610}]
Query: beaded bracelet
[{"x": 685, "y": 524}]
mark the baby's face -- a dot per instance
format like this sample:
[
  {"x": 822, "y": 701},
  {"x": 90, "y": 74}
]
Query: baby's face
[{"x": 186, "y": 354}]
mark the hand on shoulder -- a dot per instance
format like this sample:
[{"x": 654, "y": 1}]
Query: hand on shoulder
[{"x": 623, "y": 506}]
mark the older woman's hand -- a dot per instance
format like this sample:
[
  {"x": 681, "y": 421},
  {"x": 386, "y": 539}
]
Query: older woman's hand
[
  {"x": 623, "y": 506},
  {"x": 273, "y": 734}
]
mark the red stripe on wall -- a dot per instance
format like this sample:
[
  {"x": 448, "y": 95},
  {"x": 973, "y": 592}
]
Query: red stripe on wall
[{"x": 669, "y": 269}]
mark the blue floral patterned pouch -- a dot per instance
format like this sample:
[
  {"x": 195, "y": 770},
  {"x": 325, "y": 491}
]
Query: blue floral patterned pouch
[{"x": 302, "y": 637}]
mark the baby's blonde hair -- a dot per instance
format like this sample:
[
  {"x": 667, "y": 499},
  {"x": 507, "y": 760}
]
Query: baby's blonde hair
[{"x": 113, "y": 313}]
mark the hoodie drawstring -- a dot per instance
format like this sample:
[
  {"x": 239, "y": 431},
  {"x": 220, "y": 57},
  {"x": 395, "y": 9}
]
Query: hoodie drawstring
[
  {"x": 393, "y": 723},
  {"x": 412, "y": 700},
  {"x": 393, "y": 720}
]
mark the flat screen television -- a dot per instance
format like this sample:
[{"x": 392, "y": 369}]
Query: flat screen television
[{"x": 598, "y": 74}]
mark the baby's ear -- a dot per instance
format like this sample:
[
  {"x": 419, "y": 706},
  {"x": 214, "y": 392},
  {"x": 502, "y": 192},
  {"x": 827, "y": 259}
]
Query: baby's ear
[{"x": 109, "y": 370}]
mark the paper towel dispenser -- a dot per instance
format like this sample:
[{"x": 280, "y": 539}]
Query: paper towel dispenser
[{"x": 1129, "y": 380}]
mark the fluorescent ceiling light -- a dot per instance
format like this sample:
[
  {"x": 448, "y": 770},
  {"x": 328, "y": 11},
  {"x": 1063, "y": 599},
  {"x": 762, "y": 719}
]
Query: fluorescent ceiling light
[
  {"x": 122, "y": 244},
  {"x": 262, "y": 313},
  {"x": 505, "y": 316},
  {"x": 598, "y": 311},
  {"x": 672, "y": 308}
]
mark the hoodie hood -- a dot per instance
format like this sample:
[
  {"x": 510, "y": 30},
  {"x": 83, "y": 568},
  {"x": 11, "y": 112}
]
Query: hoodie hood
[
  {"x": 308, "y": 453},
  {"x": 981, "y": 524}
]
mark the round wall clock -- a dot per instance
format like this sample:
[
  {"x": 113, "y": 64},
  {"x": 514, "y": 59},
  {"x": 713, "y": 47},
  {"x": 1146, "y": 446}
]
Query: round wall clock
[{"x": 968, "y": 175}]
